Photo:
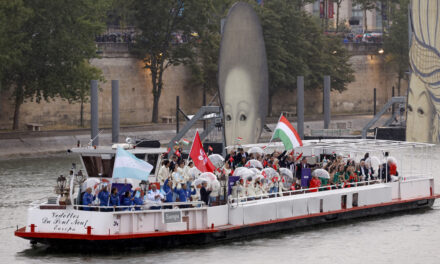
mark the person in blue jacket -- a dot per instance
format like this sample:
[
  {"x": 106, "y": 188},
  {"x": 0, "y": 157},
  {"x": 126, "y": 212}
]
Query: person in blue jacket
[
  {"x": 88, "y": 199},
  {"x": 168, "y": 190},
  {"x": 127, "y": 200},
  {"x": 138, "y": 200},
  {"x": 114, "y": 198},
  {"x": 104, "y": 198},
  {"x": 184, "y": 194}
]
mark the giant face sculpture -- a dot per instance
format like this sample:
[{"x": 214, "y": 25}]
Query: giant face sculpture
[
  {"x": 424, "y": 92},
  {"x": 243, "y": 77}
]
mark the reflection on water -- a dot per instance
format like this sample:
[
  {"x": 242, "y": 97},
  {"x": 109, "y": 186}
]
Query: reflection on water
[{"x": 411, "y": 237}]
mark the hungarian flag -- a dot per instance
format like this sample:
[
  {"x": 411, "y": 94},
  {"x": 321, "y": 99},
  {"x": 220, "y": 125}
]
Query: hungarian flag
[
  {"x": 199, "y": 156},
  {"x": 288, "y": 135},
  {"x": 185, "y": 142}
]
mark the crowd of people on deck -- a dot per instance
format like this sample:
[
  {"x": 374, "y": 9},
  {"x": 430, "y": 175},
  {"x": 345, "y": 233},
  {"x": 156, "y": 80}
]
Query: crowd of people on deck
[{"x": 243, "y": 176}]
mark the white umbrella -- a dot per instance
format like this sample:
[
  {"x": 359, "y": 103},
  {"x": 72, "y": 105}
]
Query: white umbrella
[
  {"x": 256, "y": 172},
  {"x": 198, "y": 181},
  {"x": 215, "y": 185},
  {"x": 194, "y": 172},
  {"x": 244, "y": 173},
  {"x": 373, "y": 161},
  {"x": 286, "y": 172},
  {"x": 208, "y": 176},
  {"x": 392, "y": 159},
  {"x": 217, "y": 160},
  {"x": 238, "y": 171},
  {"x": 321, "y": 173},
  {"x": 256, "y": 150},
  {"x": 269, "y": 173},
  {"x": 254, "y": 164}
]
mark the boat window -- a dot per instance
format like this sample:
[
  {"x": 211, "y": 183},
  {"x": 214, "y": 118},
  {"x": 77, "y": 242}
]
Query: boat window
[
  {"x": 152, "y": 159},
  {"x": 321, "y": 205},
  {"x": 344, "y": 201},
  {"x": 355, "y": 199},
  {"x": 96, "y": 165}
]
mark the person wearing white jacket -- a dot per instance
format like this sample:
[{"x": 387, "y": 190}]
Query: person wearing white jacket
[
  {"x": 164, "y": 172},
  {"x": 250, "y": 190},
  {"x": 259, "y": 191},
  {"x": 187, "y": 175}
]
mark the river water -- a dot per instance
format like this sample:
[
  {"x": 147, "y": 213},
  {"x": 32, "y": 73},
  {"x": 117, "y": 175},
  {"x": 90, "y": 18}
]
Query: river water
[{"x": 412, "y": 237}]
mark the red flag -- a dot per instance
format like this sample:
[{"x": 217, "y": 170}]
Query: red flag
[
  {"x": 177, "y": 153},
  {"x": 199, "y": 156},
  {"x": 210, "y": 148}
]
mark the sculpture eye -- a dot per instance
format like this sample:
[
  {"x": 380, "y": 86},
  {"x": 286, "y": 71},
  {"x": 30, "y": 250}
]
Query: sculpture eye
[
  {"x": 228, "y": 117},
  {"x": 409, "y": 108},
  {"x": 242, "y": 117},
  {"x": 420, "y": 111}
]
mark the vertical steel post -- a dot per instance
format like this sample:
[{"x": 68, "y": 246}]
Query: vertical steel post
[
  {"x": 204, "y": 104},
  {"x": 374, "y": 102},
  {"x": 115, "y": 111},
  {"x": 300, "y": 105},
  {"x": 94, "y": 112},
  {"x": 326, "y": 102},
  {"x": 177, "y": 114},
  {"x": 392, "y": 107}
]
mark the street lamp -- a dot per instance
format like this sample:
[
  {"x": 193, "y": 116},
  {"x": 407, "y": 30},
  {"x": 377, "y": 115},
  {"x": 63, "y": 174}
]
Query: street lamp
[
  {"x": 79, "y": 177},
  {"x": 380, "y": 51}
]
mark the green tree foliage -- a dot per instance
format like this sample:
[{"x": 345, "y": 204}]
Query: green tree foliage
[
  {"x": 204, "y": 65},
  {"x": 295, "y": 46},
  {"x": 158, "y": 22},
  {"x": 54, "y": 43},
  {"x": 396, "y": 45}
]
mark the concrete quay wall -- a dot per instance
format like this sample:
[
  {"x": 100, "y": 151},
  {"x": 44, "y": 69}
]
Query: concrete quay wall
[{"x": 136, "y": 97}]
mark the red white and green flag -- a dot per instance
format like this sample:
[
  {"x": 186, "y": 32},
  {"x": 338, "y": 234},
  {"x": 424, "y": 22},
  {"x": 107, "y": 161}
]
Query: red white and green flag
[
  {"x": 185, "y": 141},
  {"x": 288, "y": 135}
]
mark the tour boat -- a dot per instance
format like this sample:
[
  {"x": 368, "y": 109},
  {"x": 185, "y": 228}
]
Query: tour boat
[{"x": 61, "y": 222}]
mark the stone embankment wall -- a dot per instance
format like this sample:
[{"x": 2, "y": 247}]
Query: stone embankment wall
[
  {"x": 371, "y": 72},
  {"x": 136, "y": 95}
]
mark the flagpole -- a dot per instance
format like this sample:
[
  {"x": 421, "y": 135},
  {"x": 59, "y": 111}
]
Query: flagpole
[
  {"x": 197, "y": 131},
  {"x": 270, "y": 142}
]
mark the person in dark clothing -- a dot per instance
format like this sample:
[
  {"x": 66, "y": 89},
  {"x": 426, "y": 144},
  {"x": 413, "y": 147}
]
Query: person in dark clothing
[
  {"x": 384, "y": 172},
  {"x": 300, "y": 166},
  {"x": 204, "y": 193},
  {"x": 283, "y": 160}
]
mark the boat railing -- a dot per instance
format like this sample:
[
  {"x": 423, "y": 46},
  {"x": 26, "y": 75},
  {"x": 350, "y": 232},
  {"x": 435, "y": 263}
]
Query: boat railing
[
  {"x": 143, "y": 207},
  {"x": 302, "y": 191}
]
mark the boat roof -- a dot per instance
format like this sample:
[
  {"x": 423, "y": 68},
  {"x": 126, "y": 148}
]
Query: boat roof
[
  {"x": 351, "y": 145},
  {"x": 110, "y": 150}
]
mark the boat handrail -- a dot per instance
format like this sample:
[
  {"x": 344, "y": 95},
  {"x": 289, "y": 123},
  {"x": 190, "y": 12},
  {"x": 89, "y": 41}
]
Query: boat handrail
[
  {"x": 325, "y": 188},
  {"x": 142, "y": 207},
  {"x": 301, "y": 191}
]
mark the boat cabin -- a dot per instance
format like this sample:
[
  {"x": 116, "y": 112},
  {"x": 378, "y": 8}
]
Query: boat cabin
[{"x": 99, "y": 161}]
